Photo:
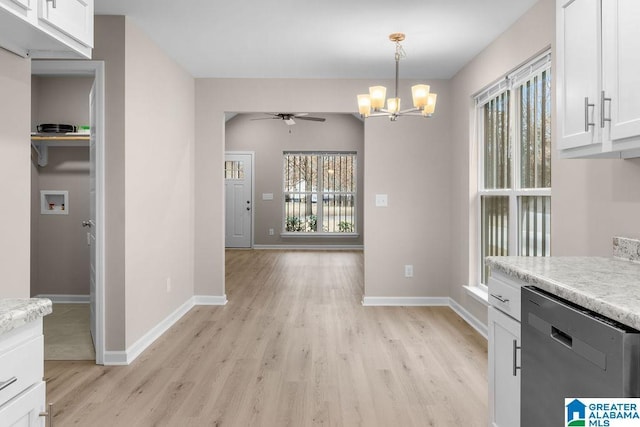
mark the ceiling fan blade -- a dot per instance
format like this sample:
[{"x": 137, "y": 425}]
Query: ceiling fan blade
[
  {"x": 266, "y": 118},
  {"x": 314, "y": 119}
]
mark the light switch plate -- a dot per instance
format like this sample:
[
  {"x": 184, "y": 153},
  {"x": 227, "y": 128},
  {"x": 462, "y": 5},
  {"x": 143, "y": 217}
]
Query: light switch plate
[
  {"x": 267, "y": 196},
  {"x": 382, "y": 201}
]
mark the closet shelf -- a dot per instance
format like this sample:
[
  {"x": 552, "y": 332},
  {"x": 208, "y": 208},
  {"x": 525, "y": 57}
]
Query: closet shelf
[
  {"x": 60, "y": 137},
  {"x": 42, "y": 141}
]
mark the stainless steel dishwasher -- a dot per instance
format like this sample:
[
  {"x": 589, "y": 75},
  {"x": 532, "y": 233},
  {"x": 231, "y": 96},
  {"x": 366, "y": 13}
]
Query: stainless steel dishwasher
[{"x": 569, "y": 351}]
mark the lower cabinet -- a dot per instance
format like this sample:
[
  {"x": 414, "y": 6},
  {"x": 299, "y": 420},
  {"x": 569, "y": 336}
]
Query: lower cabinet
[
  {"x": 25, "y": 410},
  {"x": 504, "y": 369},
  {"x": 22, "y": 389}
]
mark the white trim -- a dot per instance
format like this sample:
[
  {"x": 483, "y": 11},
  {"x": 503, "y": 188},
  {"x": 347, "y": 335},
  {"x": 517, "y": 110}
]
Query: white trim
[
  {"x": 97, "y": 70},
  {"x": 404, "y": 301},
  {"x": 479, "y": 293},
  {"x": 132, "y": 352},
  {"x": 115, "y": 358},
  {"x": 65, "y": 298},
  {"x": 209, "y": 300},
  {"x": 318, "y": 235},
  {"x": 311, "y": 247},
  {"x": 480, "y": 327},
  {"x": 476, "y": 324},
  {"x": 156, "y": 332}
]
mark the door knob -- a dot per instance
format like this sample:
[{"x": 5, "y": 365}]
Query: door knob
[
  {"x": 248, "y": 208},
  {"x": 86, "y": 223}
]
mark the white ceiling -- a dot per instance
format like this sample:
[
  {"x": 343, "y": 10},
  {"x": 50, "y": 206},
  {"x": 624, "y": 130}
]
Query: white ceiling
[{"x": 319, "y": 39}]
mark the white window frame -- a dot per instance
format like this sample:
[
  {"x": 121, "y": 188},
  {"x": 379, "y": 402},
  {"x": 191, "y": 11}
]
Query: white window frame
[{"x": 509, "y": 82}]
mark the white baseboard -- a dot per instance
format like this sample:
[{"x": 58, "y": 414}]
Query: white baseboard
[
  {"x": 135, "y": 350},
  {"x": 65, "y": 298},
  {"x": 480, "y": 327},
  {"x": 115, "y": 358},
  {"x": 209, "y": 300},
  {"x": 311, "y": 247},
  {"x": 404, "y": 301}
]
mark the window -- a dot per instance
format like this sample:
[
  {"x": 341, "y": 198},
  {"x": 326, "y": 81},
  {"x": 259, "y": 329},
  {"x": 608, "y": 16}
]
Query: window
[
  {"x": 319, "y": 192},
  {"x": 514, "y": 183}
]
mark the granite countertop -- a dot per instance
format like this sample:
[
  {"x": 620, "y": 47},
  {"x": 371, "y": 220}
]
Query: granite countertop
[
  {"x": 15, "y": 312},
  {"x": 607, "y": 286}
]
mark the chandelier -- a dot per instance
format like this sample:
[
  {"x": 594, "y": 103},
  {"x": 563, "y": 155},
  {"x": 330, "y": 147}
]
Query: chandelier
[{"x": 372, "y": 104}]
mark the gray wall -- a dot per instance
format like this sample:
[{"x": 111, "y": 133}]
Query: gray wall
[
  {"x": 59, "y": 251},
  {"x": 15, "y": 188},
  {"x": 268, "y": 139}
]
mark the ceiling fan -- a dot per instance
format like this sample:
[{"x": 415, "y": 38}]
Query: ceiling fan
[{"x": 288, "y": 117}]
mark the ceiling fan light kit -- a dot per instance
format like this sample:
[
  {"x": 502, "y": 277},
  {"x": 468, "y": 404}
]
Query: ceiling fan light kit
[{"x": 372, "y": 104}]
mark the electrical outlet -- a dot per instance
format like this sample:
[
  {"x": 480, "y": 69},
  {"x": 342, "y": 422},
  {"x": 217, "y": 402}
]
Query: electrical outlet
[
  {"x": 271, "y": 232},
  {"x": 408, "y": 270},
  {"x": 168, "y": 284}
]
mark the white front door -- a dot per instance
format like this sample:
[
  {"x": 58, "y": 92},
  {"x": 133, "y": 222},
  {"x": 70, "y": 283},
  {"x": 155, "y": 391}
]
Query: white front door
[
  {"x": 238, "y": 200},
  {"x": 91, "y": 224}
]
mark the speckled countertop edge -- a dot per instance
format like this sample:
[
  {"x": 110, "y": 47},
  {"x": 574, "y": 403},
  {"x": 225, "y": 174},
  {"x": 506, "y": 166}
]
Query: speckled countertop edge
[
  {"x": 607, "y": 286},
  {"x": 15, "y": 312},
  {"x": 626, "y": 248}
]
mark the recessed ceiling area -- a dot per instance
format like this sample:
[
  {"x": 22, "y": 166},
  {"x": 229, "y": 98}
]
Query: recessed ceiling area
[{"x": 327, "y": 39}]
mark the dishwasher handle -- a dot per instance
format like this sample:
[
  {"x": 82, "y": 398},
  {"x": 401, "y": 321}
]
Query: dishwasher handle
[{"x": 562, "y": 337}]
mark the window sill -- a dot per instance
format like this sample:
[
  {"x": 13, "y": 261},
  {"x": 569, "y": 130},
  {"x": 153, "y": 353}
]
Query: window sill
[
  {"x": 478, "y": 293},
  {"x": 320, "y": 235}
]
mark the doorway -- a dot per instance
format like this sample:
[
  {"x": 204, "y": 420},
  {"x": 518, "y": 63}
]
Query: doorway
[{"x": 95, "y": 237}]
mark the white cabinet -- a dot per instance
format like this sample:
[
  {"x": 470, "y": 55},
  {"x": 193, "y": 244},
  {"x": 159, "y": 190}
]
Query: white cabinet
[
  {"x": 504, "y": 375},
  {"x": 22, "y": 390},
  {"x": 504, "y": 351},
  {"x": 71, "y": 17},
  {"x": 598, "y": 78},
  {"x": 47, "y": 28}
]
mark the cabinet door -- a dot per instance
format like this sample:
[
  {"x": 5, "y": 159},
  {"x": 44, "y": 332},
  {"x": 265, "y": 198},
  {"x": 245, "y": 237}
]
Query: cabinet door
[
  {"x": 577, "y": 70},
  {"x": 24, "y": 410},
  {"x": 20, "y": 8},
  {"x": 72, "y": 17},
  {"x": 621, "y": 68},
  {"x": 504, "y": 378}
]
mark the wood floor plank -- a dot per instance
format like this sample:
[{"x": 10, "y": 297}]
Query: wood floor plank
[{"x": 293, "y": 347}]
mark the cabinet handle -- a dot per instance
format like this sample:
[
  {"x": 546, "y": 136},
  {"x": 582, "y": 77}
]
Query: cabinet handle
[
  {"x": 7, "y": 383},
  {"x": 603, "y": 119},
  {"x": 53, "y": 3},
  {"x": 515, "y": 357},
  {"x": 586, "y": 114},
  {"x": 48, "y": 415},
  {"x": 500, "y": 298}
]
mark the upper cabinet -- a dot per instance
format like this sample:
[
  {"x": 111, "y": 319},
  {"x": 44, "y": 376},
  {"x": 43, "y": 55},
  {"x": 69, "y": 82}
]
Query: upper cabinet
[
  {"x": 598, "y": 78},
  {"x": 47, "y": 28}
]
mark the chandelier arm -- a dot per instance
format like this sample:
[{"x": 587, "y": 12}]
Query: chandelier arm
[{"x": 410, "y": 110}]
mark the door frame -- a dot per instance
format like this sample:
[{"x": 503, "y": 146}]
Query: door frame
[
  {"x": 252, "y": 154},
  {"x": 95, "y": 69}
]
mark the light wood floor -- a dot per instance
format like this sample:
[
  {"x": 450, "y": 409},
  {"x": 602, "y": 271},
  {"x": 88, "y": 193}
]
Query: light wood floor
[{"x": 293, "y": 347}]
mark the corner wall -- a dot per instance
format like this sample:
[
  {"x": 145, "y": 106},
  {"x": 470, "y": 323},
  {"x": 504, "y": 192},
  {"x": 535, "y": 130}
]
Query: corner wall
[
  {"x": 15, "y": 175},
  {"x": 159, "y": 129},
  {"x": 528, "y": 36},
  {"x": 408, "y": 160}
]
